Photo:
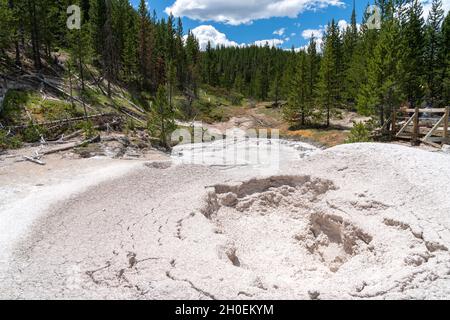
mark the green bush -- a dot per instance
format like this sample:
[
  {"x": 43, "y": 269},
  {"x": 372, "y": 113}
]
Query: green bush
[
  {"x": 33, "y": 133},
  {"x": 359, "y": 133},
  {"x": 12, "y": 106},
  {"x": 57, "y": 110},
  {"x": 88, "y": 129},
  {"x": 217, "y": 115},
  {"x": 236, "y": 98},
  {"x": 9, "y": 142}
]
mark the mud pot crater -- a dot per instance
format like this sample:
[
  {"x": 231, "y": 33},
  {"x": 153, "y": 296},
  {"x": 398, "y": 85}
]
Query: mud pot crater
[{"x": 280, "y": 223}]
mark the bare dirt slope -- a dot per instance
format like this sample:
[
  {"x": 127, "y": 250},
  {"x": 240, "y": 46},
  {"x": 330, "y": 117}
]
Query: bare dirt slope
[{"x": 354, "y": 222}]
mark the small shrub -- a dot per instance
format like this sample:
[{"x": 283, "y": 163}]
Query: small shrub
[
  {"x": 9, "y": 142},
  {"x": 88, "y": 129},
  {"x": 130, "y": 126},
  {"x": 217, "y": 115},
  {"x": 12, "y": 106},
  {"x": 236, "y": 99},
  {"x": 359, "y": 133},
  {"x": 33, "y": 133}
]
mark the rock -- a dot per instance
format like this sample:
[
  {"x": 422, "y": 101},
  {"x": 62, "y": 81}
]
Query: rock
[
  {"x": 314, "y": 294},
  {"x": 229, "y": 200},
  {"x": 446, "y": 148},
  {"x": 159, "y": 165}
]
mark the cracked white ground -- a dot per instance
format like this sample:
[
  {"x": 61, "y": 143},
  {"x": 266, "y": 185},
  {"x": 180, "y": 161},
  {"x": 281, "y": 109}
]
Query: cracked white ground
[{"x": 353, "y": 222}]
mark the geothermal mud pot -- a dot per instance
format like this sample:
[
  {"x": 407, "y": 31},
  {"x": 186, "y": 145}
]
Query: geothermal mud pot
[
  {"x": 364, "y": 221},
  {"x": 281, "y": 228}
]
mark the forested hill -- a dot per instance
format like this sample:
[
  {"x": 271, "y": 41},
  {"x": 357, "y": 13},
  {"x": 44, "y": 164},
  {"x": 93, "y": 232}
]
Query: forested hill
[
  {"x": 373, "y": 70},
  {"x": 129, "y": 46}
]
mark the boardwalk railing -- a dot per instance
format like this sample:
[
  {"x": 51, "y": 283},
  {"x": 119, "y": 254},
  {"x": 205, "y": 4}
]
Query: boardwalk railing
[{"x": 429, "y": 126}]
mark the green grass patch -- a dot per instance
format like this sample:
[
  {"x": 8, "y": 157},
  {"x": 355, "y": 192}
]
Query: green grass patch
[
  {"x": 14, "y": 106},
  {"x": 56, "y": 110}
]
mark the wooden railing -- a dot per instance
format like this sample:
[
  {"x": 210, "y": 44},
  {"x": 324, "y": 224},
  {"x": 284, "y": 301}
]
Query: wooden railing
[{"x": 433, "y": 129}]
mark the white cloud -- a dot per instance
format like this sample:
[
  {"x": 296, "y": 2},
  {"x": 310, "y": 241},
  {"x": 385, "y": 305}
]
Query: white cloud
[
  {"x": 280, "y": 32},
  {"x": 427, "y": 7},
  {"x": 270, "y": 42},
  {"x": 236, "y": 12},
  {"x": 342, "y": 24},
  {"x": 318, "y": 35},
  {"x": 205, "y": 33}
]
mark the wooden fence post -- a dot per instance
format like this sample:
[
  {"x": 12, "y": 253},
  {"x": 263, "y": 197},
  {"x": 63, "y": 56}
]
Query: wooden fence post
[
  {"x": 394, "y": 123},
  {"x": 415, "y": 134},
  {"x": 446, "y": 118}
]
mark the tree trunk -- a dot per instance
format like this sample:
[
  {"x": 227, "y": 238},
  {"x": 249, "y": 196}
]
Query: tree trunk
[
  {"x": 80, "y": 65},
  {"x": 328, "y": 116},
  {"x": 415, "y": 138},
  {"x": 16, "y": 41},
  {"x": 303, "y": 117},
  {"x": 71, "y": 87},
  {"x": 80, "y": 62},
  {"x": 170, "y": 96},
  {"x": 35, "y": 35},
  {"x": 163, "y": 134},
  {"x": 382, "y": 115},
  {"x": 18, "y": 61}
]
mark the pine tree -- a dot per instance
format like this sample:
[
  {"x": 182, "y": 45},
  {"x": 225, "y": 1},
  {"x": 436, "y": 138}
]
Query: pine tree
[
  {"x": 412, "y": 59},
  {"x": 33, "y": 24},
  {"x": 445, "y": 60},
  {"x": 209, "y": 64},
  {"x": 382, "y": 93},
  {"x": 193, "y": 60},
  {"x": 275, "y": 90},
  {"x": 329, "y": 85},
  {"x": 110, "y": 51},
  {"x": 6, "y": 26},
  {"x": 97, "y": 16},
  {"x": 180, "y": 56},
  {"x": 433, "y": 62},
  {"x": 313, "y": 65},
  {"x": 162, "y": 118},
  {"x": 350, "y": 54},
  {"x": 144, "y": 46},
  {"x": 357, "y": 75},
  {"x": 171, "y": 82},
  {"x": 85, "y": 6},
  {"x": 130, "y": 46},
  {"x": 79, "y": 44},
  {"x": 297, "y": 109}
]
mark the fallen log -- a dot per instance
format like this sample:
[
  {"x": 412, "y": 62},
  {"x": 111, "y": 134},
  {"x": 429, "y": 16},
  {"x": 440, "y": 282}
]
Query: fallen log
[
  {"x": 65, "y": 121},
  {"x": 132, "y": 115},
  {"x": 73, "y": 146},
  {"x": 34, "y": 160},
  {"x": 79, "y": 132}
]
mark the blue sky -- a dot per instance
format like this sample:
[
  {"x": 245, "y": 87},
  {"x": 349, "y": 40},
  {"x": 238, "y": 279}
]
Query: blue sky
[{"x": 233, "y": 22}]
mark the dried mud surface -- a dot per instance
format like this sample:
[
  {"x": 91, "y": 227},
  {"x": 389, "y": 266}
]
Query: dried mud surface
[{"x": 363, "y": 221}]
